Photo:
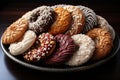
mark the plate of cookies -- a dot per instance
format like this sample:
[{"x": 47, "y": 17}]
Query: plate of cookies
[{"x": 60, "y": 38}]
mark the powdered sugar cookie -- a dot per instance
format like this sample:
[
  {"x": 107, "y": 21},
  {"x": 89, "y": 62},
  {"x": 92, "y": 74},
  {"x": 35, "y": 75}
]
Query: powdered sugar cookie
[
  {"x": 84, "y": 52},
  {"x": 24, "y": 44}
]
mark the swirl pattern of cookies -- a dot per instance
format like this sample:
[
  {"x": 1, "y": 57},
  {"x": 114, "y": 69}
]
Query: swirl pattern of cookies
[{"x": 60, "y": 35}]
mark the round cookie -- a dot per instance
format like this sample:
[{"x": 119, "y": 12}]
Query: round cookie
[
  {"x": 78, "y": 20},
  {"x": 62, "y": 22},
  {"x": 41, "y": 19},
  {"x": 90, "y": 18},
  {"x": 65, "y": 47},
  {"x": 103, "y": 41},
  {"x": 23, "y": 44},
  {"x": 84, "y": 52},
  {"x": 15, "y": 31},
  {"x": 102, "y": 23},
  {"x": 44, "y": 46}
]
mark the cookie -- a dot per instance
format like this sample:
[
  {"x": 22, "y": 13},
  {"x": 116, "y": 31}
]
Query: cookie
[
  {"x": 41, "y": 19},
  {"x": 103, "y": 42},
  {"x": 84, "y": 52},
  {"x": 62, "y": 22},
  {"x": 23, "y": 44},
  {"x": 44, "y": 46},
  {"x": 78, "y": 20},
  {"x": 15, "y": 31},
  {"x": 65, "y": 47},
  {"x": 102, "y": 23},
  {"x": 90, "y": 18}
]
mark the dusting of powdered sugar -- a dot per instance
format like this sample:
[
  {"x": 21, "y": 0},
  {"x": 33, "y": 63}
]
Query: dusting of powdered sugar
[{"x": 84, "y": 52}]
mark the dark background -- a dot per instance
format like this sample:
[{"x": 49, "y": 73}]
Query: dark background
[{"x": 11, "y": 10}]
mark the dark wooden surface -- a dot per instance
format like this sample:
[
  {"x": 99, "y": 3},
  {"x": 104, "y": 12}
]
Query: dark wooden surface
[{"x": 12, "y": 10}]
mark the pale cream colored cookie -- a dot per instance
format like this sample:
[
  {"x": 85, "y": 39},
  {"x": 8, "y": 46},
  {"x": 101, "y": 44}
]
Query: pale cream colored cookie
[
  {"x": 23, "y": 44},
  {"x": 85, "y": 51}
]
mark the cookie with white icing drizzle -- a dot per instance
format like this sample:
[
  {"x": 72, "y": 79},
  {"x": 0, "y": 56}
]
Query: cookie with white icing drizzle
[{"x": 90, "y": 17}]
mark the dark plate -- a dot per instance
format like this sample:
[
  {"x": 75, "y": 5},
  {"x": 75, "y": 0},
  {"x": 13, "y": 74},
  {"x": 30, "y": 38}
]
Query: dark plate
[{"x": 63, "y": 68}]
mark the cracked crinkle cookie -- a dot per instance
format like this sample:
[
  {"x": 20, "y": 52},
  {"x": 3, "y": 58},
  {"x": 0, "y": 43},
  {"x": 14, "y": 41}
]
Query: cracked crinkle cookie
[
  {"x": 41, "y": 19},
  {"x": 103, "y": 42},
  {"x": 90, "y": 17},
  {"x": 23, "y": 44},
  {"x": 102, "y": 23},
  {"x": 84, "y": 52},
  {"x": 44, "y": 46}
]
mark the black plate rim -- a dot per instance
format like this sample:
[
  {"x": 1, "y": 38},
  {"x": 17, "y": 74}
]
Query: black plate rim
[{"x": 73, "y": 69}]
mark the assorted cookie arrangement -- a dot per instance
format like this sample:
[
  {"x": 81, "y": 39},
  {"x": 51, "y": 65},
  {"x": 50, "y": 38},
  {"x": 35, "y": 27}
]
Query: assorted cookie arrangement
[{"x": 60, "y": 35}]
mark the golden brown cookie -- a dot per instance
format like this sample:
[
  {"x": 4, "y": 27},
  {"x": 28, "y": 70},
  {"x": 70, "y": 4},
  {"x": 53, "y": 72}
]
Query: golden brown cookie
[
  {"x": 78, "y": 20},
  {"x": 103, "y": 41},
  {"x": 15, "y": 31},
  {"x": 63, "y": 20}
]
